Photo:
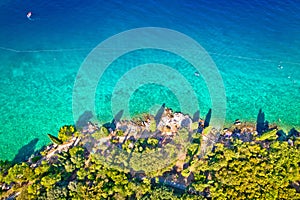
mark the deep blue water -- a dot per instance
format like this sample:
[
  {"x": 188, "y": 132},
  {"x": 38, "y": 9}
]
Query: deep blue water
[
  {"x": 268, "y": 25},
  {"x": 40, "y": 58}
]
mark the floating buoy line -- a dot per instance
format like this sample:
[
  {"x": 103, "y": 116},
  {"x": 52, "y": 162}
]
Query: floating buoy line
[{"x": 89, "y": 49}]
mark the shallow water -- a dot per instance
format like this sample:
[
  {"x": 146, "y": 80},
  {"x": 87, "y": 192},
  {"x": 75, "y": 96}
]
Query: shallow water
[{"x": 40, "y": 60}]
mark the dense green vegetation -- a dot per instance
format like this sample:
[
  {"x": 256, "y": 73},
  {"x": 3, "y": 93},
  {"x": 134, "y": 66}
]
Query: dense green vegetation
[
  {"x": 267, "y": 167},
  {"x": 248, "y": 171}
]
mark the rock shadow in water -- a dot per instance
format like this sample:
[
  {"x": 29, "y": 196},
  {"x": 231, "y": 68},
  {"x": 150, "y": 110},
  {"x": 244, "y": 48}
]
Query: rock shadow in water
[
  {"x": 196, "y": 116},
  {"x": 207, "y": 119},
  {"x": 159, "y": 113},
  {"x": 84, "y": 119},
  {"x": 261, "y": 124},
  {"x": 26, "y": 151}
]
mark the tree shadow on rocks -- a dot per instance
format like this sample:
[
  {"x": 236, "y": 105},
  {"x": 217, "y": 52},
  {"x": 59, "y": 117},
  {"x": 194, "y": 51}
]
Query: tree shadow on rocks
[
  {"x": 281, "y": 135},
  {"x": 113, "y": 124},
  {"x": 293, "y": 133}
]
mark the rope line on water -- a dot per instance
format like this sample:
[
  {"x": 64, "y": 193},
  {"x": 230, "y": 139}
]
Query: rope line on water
[
  {"x": 44, "y": 50},
  {"x": 86, "y": 49},
  {"x": 252, "y": 58}
]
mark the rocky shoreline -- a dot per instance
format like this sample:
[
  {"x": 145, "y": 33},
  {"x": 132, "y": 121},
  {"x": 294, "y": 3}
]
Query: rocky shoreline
[{"x": 153, "y": 134}]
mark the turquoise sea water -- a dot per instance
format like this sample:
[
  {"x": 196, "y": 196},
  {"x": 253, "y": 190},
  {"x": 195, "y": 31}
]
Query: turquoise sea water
[{"x": 40, "y": 59}]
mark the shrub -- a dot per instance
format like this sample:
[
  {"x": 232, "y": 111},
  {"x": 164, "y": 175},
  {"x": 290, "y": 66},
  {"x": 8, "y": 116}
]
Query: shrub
[
  {"x": 103, "y": 132},
  {"x": 152, "y": 126},
  {"x": 269, "y": 135},
  {"x": 152, "y": 142},
  {"x": 185, "y": 172},
  {"x": 119, "y": 133},
  {"x": 36, "y": 158}
]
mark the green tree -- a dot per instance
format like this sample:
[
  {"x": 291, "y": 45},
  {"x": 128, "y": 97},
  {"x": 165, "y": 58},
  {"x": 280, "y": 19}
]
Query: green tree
[
  {"x": 50, "y": 180},
  {"x": 19, "y": 174},
  {"x": 57, "y": 193},
  {"x": 248, "y": 171},
  {"x": 161, "y": 193},
  {"x": 77, "y": 156},
  {"x": 54, "y": 139},
  {"x": 66, "y": 132}
]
